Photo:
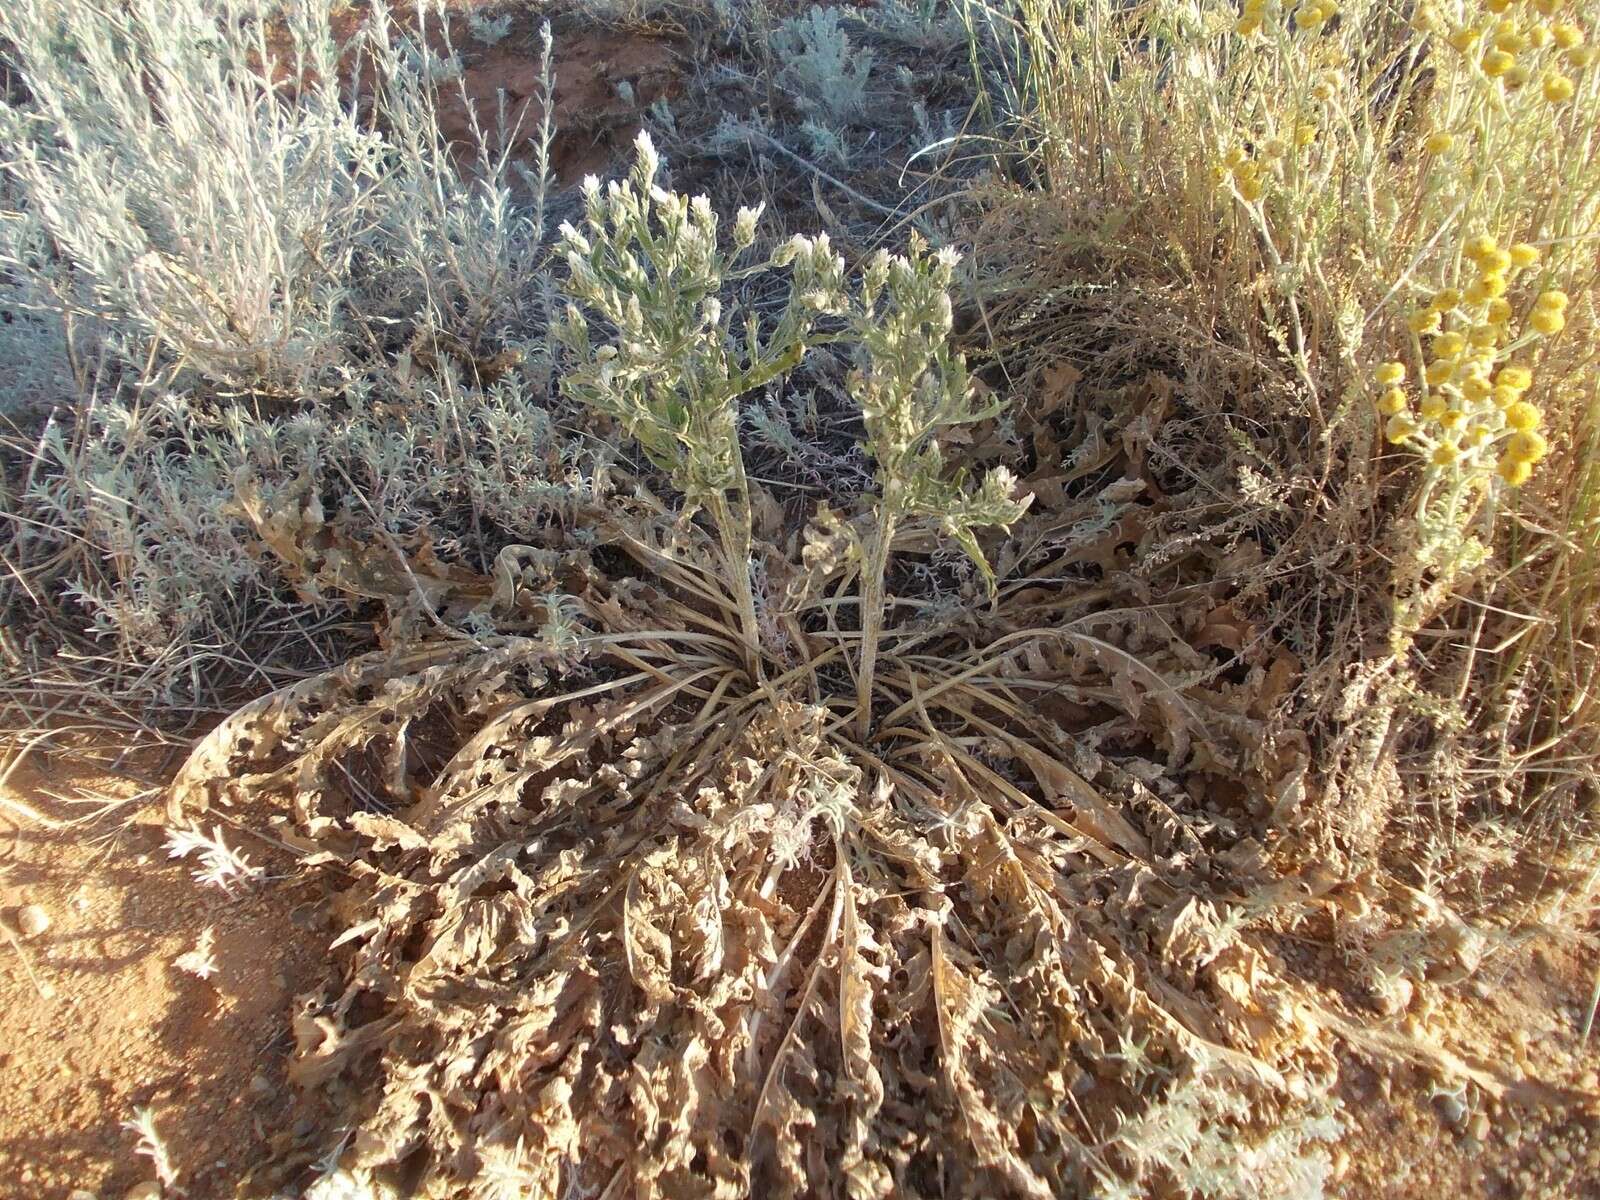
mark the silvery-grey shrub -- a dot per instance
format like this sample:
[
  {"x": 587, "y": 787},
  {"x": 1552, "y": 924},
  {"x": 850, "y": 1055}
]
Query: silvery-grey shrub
[
  {"x": 825, "y": 70},
  {"x": 252, "y": 221},
  {"x": 242, "y": 255}
]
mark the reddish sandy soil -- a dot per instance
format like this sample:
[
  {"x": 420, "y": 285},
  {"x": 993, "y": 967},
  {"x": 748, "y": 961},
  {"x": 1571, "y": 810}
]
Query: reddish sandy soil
[
  {"x": 98, "y": 1021},
  {"x": 604, "y": 80},
  {"x": 603, "y": 77},
  {"x": 1526, "y": 1011}
]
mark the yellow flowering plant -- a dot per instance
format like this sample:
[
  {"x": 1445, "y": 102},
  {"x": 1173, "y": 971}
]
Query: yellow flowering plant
[
  {"x": 1470, "y": 423},
  {"x": 1482, "y": 143},
  {"x": 1410, "y": 185},
  {"x": 1369, "y": 237}
]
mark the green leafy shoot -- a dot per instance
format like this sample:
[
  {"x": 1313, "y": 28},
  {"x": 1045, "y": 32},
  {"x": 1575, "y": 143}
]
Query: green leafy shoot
[
  {"x": 911, "y": 385},
  {"x": 672, "y": 363}
]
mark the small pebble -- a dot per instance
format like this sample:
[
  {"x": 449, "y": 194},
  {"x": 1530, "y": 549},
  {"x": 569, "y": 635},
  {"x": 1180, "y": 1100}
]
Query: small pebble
[
  {"x": 32, "y": 920},
  {"x": 1479, "y": 1128},
  {"x": 81, "y": 1194},
  {"x": 260, "y": 1085},
  {"x": 148, "y": 1190},
  {"x": 1589, "y": 1081}
]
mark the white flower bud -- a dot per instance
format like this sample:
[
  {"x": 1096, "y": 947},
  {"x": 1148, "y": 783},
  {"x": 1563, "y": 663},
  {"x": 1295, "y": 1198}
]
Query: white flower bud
[
  {"x": 649, "y": 161},
  {"x": 796, "y": 246},
  {"x": 744, "y": 226}
]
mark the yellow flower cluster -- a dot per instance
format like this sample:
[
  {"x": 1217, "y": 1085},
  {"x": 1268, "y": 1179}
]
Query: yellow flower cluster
[
  {"x": 1250, "y": 22},
  {"x": 1245, "y": 172},
  {"x": 1251, "y": 169},
  {"x": 1310, "y": 16},
  {"x": 1314, "y": 14},
  {"x": 1501, "y": 48},
  {"x": 1472, "y": 415},
  {"x": 1550, "y": 312}
]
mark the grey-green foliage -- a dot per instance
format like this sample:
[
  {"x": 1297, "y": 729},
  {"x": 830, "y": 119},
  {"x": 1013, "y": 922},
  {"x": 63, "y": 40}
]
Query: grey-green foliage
[
  {"x": 195, "y": 205},
  {"x": 825, "y": 143},
  {"x": 491, "y": 31},
  {"x": 825, "y": 70},
  {"x": 130, "y": 516},
  {"x": 197, "y": 219},
  {"x": 648, "y": 263},
  {"x": 933, "y": 25},
  {"x": 33, "y": 329},
  {"x": 144, "y": 492},
  {"x": 673, "y": 360},
  {"x": 252, "y": 237},
  {"x": 910, "y": 386}
]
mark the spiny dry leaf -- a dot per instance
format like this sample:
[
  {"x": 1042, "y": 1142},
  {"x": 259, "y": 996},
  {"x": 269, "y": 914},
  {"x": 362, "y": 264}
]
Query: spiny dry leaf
[
  {"x": 201, "y": 960},
  {"x": 624, "y": 917},
  {"x": 623, "y": 923}
]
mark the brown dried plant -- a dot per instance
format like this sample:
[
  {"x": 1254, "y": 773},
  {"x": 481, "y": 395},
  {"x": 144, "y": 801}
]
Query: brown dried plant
[{"x": 717, "y": 861}]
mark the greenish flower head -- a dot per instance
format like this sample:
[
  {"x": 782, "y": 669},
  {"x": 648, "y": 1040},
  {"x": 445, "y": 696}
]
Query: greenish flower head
[
  {"x": 669, "y": 368},
  {"x": 910, "y": 385}
]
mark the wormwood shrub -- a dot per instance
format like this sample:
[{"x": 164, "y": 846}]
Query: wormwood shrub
[
  {"x": 142, "y": 532},
  {"x": 226, "y": 263},
  {"x": 828, "y": 73},
  {"x": 699, "y": 856},
  {"x": 207, "y": 184}
]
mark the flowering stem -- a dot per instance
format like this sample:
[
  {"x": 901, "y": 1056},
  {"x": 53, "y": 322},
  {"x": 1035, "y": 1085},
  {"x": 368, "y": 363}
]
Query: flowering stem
[
  {"x": 733, "y": 528},
  {"x": 872, "y": 600}
]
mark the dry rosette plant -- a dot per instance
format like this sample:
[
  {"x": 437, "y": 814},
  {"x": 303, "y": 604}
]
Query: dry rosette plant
[{"x": 690, "y": 860}]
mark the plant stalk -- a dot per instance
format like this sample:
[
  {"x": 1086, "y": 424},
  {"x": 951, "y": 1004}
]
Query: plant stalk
[
  {"x": 733, "y": 527},
  {"x": 872, "y": 600}
]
